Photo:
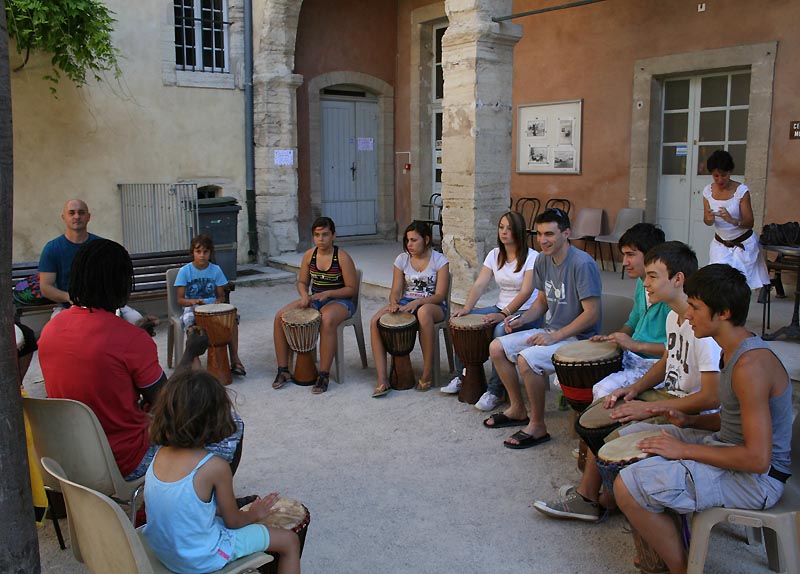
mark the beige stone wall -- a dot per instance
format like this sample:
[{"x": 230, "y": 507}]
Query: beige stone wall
[{"x": 142, "y": 129}]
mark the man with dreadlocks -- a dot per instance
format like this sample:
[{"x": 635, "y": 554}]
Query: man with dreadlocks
[{"x": 90, "y": 355}]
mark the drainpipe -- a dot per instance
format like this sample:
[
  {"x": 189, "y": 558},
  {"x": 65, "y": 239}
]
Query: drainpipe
[{"x": 249, "y": 143}]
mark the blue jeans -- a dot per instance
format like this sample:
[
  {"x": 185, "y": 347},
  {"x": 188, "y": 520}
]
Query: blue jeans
[{"x": 495, "y": 385}]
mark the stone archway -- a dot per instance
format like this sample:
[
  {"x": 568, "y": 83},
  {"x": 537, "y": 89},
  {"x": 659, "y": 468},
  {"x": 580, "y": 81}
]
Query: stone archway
[
  {"x": 385, "y": 95},
  {"x": 275, "y": 127}
]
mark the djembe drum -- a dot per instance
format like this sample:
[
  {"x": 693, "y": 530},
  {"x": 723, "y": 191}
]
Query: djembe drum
[
  {"x": 218, "y": 320},
  {"x": 291, "y": 515},
  {"x": 581, "y": 364},
  {"x": 301, "y": 327},
  {"x": 471, "y": 338},
  {"x": 398, "y": 333},
  {"x": 613, "y": 457}
]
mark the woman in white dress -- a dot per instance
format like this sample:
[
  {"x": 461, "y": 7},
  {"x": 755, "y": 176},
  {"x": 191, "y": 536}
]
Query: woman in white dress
[{"x": 726, "y": 206}]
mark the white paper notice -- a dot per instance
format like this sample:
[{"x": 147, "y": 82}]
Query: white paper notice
[
  {"x": 284, "y": 157},
  {"x": 365, "y": 144}
]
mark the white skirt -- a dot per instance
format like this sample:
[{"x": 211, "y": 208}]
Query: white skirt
[{"x": 749, "y": 260}]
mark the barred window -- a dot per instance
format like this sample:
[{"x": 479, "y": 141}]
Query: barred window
[{"x": 201, "y": 35}]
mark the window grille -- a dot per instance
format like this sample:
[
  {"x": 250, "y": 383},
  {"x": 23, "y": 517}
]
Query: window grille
[
  {"x": 158, "y": 216},
  {"x": 201, "y": 35}
]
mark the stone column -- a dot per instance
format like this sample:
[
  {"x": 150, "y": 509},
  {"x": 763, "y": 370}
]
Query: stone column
[
  {"x": 275, "y": 127},
  {"x": 476, "y": 138}
]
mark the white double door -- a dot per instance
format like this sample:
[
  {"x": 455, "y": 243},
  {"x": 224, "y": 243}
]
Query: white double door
[
  {"x": 350, "y": 166},
  {"x": 700, "y": 114}
]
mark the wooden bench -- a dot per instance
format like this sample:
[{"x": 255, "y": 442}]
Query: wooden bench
[{"x": 149, "y": 276}]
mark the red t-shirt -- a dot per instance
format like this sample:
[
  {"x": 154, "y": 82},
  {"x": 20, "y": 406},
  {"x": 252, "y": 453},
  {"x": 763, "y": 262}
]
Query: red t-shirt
[{"x": 94, "y": 357}]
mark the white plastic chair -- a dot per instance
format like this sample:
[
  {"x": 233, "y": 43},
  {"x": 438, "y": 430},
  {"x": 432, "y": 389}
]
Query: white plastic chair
[
  {"x": 175, "y": 334},
  {"x": 444, "y": 327},
  {"x": 626, "y": 218},
  {"x": 587, "y": 225},
  {"x": 69, "y": 431},
  {"x": 106, "y": 542},
  {"x": 355, "y": 322},
  {"x": 780, "y": 524}
]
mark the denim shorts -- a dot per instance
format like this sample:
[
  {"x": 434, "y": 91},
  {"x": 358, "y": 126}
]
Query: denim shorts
[
  {"x": 351, "y": 307},
  {"x": 407, "y": 300}
]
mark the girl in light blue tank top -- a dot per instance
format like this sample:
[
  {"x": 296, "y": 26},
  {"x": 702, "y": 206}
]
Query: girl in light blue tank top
[{"x": 193, "y": 522}]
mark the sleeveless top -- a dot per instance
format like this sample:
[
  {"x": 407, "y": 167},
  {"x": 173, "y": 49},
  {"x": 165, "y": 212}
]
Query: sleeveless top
[
  {"x": 326, "y": 280},
  {"x": 182, "y": 530},
  {"x": 780, "y": 410},
  {"x": 726, "y": 230}
]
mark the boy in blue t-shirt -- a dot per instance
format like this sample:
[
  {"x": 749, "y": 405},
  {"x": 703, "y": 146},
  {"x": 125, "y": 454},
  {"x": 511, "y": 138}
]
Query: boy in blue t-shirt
[{"x": 202, "y": 283}]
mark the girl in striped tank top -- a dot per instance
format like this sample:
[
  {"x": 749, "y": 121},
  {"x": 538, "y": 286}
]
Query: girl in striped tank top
[{"x": 331, "y": 275}]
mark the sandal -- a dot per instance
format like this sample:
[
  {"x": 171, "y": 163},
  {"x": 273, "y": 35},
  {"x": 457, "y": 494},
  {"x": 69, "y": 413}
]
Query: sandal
[
  {"x": 322, "y": 383},
  {"x": 238, "y": 370},
  {"x": 423, "y": 386},
  {"x": 381, "y": 390},
  {"x": 282, "y": 378}
]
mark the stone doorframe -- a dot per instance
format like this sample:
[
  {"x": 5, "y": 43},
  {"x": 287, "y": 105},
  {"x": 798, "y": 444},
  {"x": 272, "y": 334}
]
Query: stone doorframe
[
  {"x": 646, "y": 117},
  {"x": 422, "y": 22},
  {"x": 385, "y": 95}
]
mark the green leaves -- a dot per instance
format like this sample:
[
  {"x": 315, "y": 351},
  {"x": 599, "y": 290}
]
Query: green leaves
[{"x": 76, "y": 33}]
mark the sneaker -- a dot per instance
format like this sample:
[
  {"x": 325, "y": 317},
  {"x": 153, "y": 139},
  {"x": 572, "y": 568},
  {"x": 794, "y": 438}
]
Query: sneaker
[
  {"x": 573, "y": 506},
  {"x": 487, "y": 402},
  {"x": 453, "y": 387}
]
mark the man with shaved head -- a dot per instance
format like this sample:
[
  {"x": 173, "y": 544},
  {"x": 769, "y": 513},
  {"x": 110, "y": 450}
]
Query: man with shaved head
[{"x": 55, "y": 261}]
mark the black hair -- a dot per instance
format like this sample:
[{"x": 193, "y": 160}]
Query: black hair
[
  {"x": 518, "y": 231},
  {"x": 101, "y": 276},
  {"x": 554, "y": 214},
  {"x": 420, "y": 227},
  {"x": 722, "y": 288},
  {"x": 323, "y": 222},
  {"x": 642, "y": 237},
  {"x": 720, "y": 160},
  {"x": 676, "y": 256}
]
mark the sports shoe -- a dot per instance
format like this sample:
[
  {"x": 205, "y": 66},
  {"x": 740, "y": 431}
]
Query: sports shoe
[
  {"x": 487, "y": 402},
  {"x": 570, "y": 505},
  {"x": 453, "y": 387}
]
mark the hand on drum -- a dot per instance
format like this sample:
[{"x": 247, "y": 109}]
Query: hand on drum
[
  {"x": 621, "y": 339},
  {"x": 263, "y": 507},
  {"x": 196, "y": 341},
  {"x": 625, "y": 393},
  {"x": 461, "y": 312},
  {"x": 664, "y": 445},
  {"x": 630, "y": 411},
  {"x": 672, "y": 416}
]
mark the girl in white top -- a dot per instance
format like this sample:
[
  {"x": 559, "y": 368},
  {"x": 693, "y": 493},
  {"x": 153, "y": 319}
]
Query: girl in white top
[
  {"x": 511, "y": 265},
  {"x": 726, "y": 206},
  {"x": 419, "y": 286}
]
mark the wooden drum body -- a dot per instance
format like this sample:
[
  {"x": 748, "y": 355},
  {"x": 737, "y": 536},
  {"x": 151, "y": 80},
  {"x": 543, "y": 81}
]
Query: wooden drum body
[
  {"x": 218, "y": 320},
  {"x": 398, "y": 333},
  {"x": 292, "y": 515},
  {"x": 581, "y": 364},
  {"x": 471, "y": 337},
  {"x": 613, "y": 457},
  {"x": 594, "y": 425},
  {"x": 301, "y": 327}
]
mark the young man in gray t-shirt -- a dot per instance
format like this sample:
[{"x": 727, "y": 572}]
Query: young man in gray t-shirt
[{"x": 569, "y": 298}]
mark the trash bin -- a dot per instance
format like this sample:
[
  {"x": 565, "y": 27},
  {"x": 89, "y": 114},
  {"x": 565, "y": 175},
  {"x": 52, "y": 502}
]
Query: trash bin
[{"x": 218, "y": 216}]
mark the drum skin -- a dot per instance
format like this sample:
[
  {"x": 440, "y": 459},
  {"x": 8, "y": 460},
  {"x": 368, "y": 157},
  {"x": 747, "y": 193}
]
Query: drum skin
[
  {"x": 398, "y": 332},
  {"x": 580, "y": 365},
  {"x": 471, "y": 337},
  {"x": 218, "y": 320},
  {"x": 294, "y": 516}
]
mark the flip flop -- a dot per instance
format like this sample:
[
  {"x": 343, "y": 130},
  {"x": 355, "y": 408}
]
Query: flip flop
[
  {"x": 423, "y": 386},
  {"x": 525, "y": 440},
  {"x": 382, "y": 393},
  {"x": 500, "y": 420},
  {"x": 238, "y": 370}
]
